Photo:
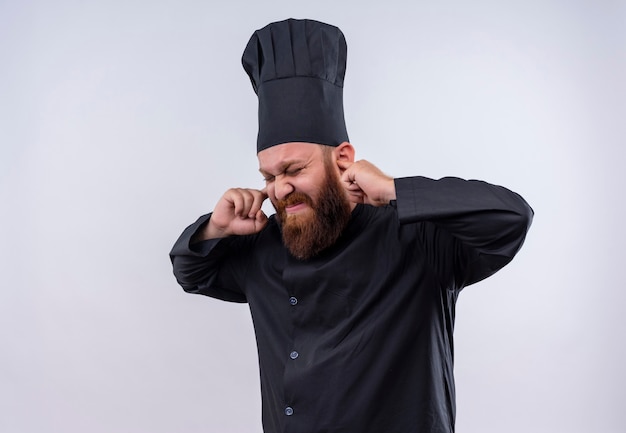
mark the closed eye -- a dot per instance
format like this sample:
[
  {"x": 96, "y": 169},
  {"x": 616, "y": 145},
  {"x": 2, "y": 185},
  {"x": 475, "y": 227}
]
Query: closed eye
[{"x": 289, "y": 169}]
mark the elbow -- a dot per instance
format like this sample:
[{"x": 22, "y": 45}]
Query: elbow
[
  {"x": 527, "y": 216},
  {"x": 518, "y": 228},
  {"x": 525, "y": 221}
]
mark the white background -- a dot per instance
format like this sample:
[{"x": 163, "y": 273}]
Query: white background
[{"x": 122, "y": 121}]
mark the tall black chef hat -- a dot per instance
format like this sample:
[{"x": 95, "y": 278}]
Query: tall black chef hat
[{"x": 297, "y": 69}]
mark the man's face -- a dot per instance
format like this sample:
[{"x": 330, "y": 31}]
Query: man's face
[{"x": 303, "y": 185}]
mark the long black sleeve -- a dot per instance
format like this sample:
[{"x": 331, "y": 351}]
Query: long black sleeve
[
  {"x": 204, "y": 267},
  {"x": 487, "y": 224}
]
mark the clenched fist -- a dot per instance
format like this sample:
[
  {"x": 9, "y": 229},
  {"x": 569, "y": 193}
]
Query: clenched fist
[
  {"x": 238, "y": 212},
  {"x": 365, "y": 183}
]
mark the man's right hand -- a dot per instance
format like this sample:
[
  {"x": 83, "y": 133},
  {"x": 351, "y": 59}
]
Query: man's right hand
[{"x": 238, "y": 212}]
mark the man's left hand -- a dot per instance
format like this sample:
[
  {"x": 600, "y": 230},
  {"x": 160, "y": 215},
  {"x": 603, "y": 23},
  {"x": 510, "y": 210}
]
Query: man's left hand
[{"x": 365, "y": 183}]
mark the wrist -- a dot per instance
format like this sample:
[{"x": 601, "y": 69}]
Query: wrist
[
  {"x": 390, "y": 191},
  {"x": 206, "y": 232},
  {"x": 212, "y": 231}
]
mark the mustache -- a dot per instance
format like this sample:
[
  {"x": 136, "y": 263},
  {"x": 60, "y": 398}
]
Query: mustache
[{"x": 294, "y": 198}]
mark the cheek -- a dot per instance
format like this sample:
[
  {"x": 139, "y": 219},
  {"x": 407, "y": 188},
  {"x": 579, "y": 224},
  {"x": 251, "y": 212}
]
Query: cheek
[{"x": 310, "y": 187}]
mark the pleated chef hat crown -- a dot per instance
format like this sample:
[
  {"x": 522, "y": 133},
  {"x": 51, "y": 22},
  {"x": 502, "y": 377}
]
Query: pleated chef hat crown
[{"x": 297, "y": 69}]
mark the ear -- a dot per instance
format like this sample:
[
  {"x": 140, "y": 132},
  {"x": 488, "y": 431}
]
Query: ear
[{"x": 344, "y": 152}]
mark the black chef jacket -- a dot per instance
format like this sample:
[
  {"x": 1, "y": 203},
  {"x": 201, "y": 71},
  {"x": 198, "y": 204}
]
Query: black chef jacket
[{"x": 359, "y": 338}]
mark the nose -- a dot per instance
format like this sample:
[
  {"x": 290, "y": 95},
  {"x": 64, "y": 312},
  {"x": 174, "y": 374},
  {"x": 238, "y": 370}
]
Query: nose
[{"x": 282, "y": 187}]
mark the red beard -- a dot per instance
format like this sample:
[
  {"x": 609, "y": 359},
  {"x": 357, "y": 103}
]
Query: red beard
[{"x": 307, "y": 235}]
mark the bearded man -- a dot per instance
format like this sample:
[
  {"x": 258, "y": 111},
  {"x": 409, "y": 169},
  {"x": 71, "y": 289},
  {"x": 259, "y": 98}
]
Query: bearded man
[{"x": 352, "y": 284}]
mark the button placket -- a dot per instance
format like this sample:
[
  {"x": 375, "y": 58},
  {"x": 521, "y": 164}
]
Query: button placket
[{"x": 293, "y": 280}]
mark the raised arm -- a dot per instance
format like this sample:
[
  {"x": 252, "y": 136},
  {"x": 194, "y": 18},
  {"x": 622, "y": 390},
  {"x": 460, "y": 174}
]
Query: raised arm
[
  {"x": 478, "y": 227},
  {"x": 205, "y": 257},
  {"x": 485, "y": 223}
]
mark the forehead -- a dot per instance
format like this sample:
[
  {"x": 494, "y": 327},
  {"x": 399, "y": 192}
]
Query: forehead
[{"x": 276, "y": 157}]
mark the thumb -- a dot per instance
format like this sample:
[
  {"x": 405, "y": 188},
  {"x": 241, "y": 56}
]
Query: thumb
[
  {"x": 343, "y": 164},
  {"x": 260, "y": 220}
]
